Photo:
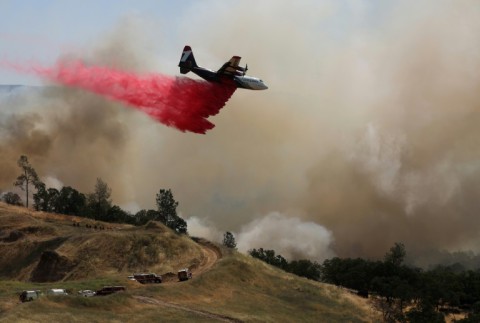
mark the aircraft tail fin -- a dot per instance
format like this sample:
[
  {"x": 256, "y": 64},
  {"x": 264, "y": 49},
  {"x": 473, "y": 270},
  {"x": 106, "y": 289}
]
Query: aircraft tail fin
[{"x": 187, "y": 61}]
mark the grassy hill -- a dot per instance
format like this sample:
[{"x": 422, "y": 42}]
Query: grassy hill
[{"x": 42, "y": 251}]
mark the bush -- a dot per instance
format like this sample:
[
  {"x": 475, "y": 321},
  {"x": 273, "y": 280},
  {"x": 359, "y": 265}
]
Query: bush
[{"x": 12, "y": 198}]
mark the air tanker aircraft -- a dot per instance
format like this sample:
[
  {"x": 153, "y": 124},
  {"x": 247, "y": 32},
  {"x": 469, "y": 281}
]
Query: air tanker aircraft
[{"x": 230, "y": 72}]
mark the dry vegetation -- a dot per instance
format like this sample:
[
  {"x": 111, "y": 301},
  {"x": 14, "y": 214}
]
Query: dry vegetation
[
  {"x": 118, "y": 249},
  {"x": 232, "y": 288}
]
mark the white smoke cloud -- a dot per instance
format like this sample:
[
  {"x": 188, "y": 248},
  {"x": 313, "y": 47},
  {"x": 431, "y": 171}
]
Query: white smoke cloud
[
  {"x": 52, "y": 182},
  {"x": 201, "y": 228},
  {"x": 288, "y": 236}
]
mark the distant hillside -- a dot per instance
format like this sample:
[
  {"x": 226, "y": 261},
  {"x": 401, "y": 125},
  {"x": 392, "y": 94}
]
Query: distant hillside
[{"x": 226, "y": 285}]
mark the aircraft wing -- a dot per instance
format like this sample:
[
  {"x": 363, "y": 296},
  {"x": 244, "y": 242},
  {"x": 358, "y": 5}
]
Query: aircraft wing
[{"x": 231, "y": 67}]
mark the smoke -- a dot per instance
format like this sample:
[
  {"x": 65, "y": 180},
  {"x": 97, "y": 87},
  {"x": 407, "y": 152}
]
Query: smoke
[
  {"x": 408, "y": 171},
  {"x": 52, "y": 182},
  {"x": 296, "y": 239},
  {"x": 71, "y": 135},
  {"x": 201, "y": 228},
  {"x": 369, "y": 128}
]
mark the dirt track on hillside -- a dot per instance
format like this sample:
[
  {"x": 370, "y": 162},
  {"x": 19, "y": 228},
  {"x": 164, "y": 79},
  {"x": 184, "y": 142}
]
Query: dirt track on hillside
[{"x": 211, "y": 254}]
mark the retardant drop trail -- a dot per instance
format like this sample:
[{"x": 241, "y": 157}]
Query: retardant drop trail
[{"x": 178, "y": 102}]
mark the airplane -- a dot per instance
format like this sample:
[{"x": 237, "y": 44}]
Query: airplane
[{"x": 230, "y": 72}]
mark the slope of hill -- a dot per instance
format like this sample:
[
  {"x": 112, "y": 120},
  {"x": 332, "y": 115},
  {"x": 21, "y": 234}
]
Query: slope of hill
[
  {"x": 44, "y": 247},
  {"x": 227, "y": 286}
]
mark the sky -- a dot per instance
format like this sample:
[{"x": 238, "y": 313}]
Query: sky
[
  {"x": 367, "y": 134},
  {"x": 41, "y": 31}
]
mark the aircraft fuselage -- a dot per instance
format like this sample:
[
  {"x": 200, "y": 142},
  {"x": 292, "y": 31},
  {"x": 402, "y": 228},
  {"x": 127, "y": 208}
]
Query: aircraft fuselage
[
  {"x": 229, "y": 73},
  {"x": 241, "y": 81}
]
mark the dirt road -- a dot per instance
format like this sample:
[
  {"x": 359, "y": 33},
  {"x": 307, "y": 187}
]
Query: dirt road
[{"x": 211, "y": 255}]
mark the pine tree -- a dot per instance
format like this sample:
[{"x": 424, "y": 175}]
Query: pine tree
[
  {"x": 27, "y": 178},
  {"x": 167, "y": 212},
  {"x": 167, "y": 206},
  {"x": 99, "y": 201}
]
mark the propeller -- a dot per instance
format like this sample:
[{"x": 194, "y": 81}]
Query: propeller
[{"x": 246, "y": 69}]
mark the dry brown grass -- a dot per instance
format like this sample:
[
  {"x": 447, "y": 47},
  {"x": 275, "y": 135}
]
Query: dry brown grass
[{"x": 119, "y": 249}]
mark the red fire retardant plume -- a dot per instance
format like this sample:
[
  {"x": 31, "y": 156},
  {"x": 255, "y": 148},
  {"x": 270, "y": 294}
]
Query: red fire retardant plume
[{"x": 178, "y": 102}]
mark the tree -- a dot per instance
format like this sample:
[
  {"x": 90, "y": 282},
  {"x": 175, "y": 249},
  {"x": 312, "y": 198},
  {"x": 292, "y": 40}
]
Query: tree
[
  {"x": 116, "y": 214},
  {"x": 70, "y": 201},
  {"x": 441, "y": 286},
  {"x": 396, "y": 256},
  {"x": 269, "y": 257},
  {"x": 143, "y": 216},
  {"x": 66, "y": 201},
  {"x": 46, "y": 199},
  {"x": 351, "y": 273},
  {"x": 167, "y": 206},
  {"x": 167, "y": 212},
  {"x": 12, "y": 198},
  {"x": 140, "y": 218},
  {"x": 28, "y": 177},
  {"x": 229, "y": 240},
  {"x": 40, "y": 199},
  {"x": 99, "y": 201},
  {"x": 180, "y": 225},
  {"x": 305, "y": 268}
]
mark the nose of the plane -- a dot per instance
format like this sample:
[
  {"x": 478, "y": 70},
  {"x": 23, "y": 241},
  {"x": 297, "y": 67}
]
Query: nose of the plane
[{"x": 264, "y": 86}]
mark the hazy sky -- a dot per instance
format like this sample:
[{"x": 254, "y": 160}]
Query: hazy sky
[
  {"x": 367, "y": 135},
  {"x": 40, "y": 31}
]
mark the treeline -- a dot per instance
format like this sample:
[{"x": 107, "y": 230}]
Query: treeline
[
  {"x": 96, "y": 205},
  {"x": 409, "y": 293},
  {"x": 402, "y": 293},
  {"x": 302, "y": 267}
]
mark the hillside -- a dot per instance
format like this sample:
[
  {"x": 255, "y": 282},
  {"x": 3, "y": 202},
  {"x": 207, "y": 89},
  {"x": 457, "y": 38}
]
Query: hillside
[
  {"x": 41, "y": 251},
  {"x": 82, "y": 252}
]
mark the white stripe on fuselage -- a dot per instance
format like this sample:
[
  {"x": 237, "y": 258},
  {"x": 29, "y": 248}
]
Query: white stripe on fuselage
[{"x": 251, "y": 82}]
